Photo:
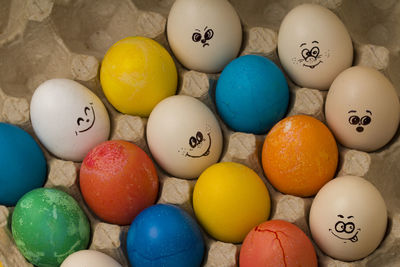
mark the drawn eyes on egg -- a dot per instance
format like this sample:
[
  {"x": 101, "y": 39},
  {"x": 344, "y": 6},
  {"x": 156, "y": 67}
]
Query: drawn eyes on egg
[{"x": 196, "y": 140}]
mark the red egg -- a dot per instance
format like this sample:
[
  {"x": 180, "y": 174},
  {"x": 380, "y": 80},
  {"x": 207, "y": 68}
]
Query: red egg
[
  {"x": 118, "y": 180},
  {"x": 277, "y": 243}
]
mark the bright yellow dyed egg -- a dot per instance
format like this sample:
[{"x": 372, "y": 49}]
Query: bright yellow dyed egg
[
  {"x": 229, "y": 199},
  {"x": 136, "y": 74}
]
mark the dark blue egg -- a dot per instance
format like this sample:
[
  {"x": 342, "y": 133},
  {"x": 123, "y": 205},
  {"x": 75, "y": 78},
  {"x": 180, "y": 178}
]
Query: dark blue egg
[
  {"x": 22, "y": 164},
  {"x": 165, "y": 235},
  {"x": 252, "y": 94}
]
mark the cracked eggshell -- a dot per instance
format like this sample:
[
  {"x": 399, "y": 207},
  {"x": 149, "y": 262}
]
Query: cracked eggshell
[
  {"x": 204, "y": 35},
  {"x": 86, "y": 258},
  {"x": 184, "y": 136},
  {"x": 68, "y": 118},
  {"x": 314, "y": 46},
  {"x": 277, "y": 243},
  {"x": 362, "y": 109},
  {"x": 348, "y": 218}
]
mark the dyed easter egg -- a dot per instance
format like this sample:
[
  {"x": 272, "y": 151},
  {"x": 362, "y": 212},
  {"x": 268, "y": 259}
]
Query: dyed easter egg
[
  {"x": 22, "y": 164},
  {"x": 204, "y": 35},
  {"x": 299, "y": 155},
  {"x": 229, "y": 199},
  {"x": 68, "y": 118},
  {"x": 118, "y": 180},
  {"x": 136, "y": 74},
  {"x": 184, "y": 136},
  {"x": 165, "y": 235},
  {"x": 89, "y": 258},
  {"x": 252, "y": 94},
  {"x": 362, "y": 109},
  {"x": 348, "y": 218},
  {"x": 314, "y": 46},
  {"x": 277, "y": 243},
  {"x": 48, "y": 225}
]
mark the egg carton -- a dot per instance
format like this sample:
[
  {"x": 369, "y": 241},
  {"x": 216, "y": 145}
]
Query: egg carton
[{"x": 43, "y": 39}]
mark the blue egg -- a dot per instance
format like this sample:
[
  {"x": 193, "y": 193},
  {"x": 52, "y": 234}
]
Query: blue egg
[
  {"x": 252, "y": 94},
  {"x": 22, "y": 164},
  {"x": 165, "y": 235}
]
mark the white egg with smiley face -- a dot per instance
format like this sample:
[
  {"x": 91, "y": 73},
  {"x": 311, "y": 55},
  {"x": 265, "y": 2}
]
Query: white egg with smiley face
[
  {"x": 184, "y": 136},
  {"x": 348, "y": 218},
  {"x": 68, "y": 118},
  {"x": 314, "y": 46}
]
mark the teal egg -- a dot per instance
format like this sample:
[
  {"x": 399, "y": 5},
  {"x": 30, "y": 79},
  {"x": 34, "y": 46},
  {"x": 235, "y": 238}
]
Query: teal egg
[{"x": 48, "y": 225}]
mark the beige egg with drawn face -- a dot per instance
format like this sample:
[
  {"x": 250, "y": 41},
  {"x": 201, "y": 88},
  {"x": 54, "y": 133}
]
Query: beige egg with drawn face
[
  {"x": 204, "y": 35},
  {"x": 362, "y": 109},
  {"x": 348, "y": 218},
  {"x": 184, "y": 136},
  {"x": 314, "y": 46}
]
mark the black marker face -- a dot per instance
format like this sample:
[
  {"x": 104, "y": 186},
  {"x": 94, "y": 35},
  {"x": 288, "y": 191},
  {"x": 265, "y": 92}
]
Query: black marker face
[
  {"x": 345, "y": 229},
  {"x": 86, "y": 122},
  {"x": 196, "y": 143},
  {"x": 203, "y": 38},
  {"x": 310, "y": 55},
  {"x": 360, "y": 123}
]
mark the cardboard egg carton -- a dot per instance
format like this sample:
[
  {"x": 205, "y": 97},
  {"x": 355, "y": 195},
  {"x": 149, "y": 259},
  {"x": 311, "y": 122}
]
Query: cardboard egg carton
[{"x": 43, "y": 39}]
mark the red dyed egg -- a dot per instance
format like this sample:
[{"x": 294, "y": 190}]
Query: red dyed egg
[
  {"x": 118, "y": 180},
  {"x": 277, "y": 243}
]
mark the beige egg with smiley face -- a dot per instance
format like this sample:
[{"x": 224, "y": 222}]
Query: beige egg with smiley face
[
  {"x": 184, "y": 136},
  {"x": 362, "y": 109},
  {"x": 314, "y": 46},
  {"x": 348, "y": 218}
]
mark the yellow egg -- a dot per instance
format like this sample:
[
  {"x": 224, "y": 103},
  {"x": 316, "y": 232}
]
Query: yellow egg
[
  {"x": 136, "y": 74},
  {"x": 229, "y": 199}
]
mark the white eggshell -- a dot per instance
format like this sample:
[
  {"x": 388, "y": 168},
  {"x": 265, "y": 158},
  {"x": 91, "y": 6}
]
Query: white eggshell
[
  {"x": 348, "y": 218},
  {"x": 204, "y": 35},
  {"x": 362, "y": 109},
  {"x": 184, "y": 136},
  {"x": 89, "y": 258},
  {"x": 314, "y": 46},
  {"x": 68, "y": 118}
]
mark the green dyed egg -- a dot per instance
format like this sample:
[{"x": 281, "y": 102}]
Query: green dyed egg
[{"x": 48, "y": 225}]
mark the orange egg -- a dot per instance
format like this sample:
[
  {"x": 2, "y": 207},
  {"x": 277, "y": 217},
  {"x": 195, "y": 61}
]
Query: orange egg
[
  {"x": 118, "y": 180},
  {"x": 299, "y": 155},
  {"x": 277, "y": 243}
]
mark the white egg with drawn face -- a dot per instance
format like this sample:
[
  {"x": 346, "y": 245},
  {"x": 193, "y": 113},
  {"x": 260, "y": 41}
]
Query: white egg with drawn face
[
  {"x": 184, "y": 136},
  {"x": 204, "y": 35},
  {"x": 348, "y": 218},
  {"x": 362, "y": 109},
  {"x": 314, "y": 46},
  {"x": 68, "y": 118}
]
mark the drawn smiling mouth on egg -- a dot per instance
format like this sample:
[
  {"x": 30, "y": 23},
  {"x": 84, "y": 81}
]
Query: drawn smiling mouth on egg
[
  {"x": 312, "y": 66},
  {"x": 344, "y": 227},
  {"x": 82, "y": 120},
  {"x": 353, "y": 239},
  {"x": 310, "y": 57},
  {"x": 196, "y": 141}
]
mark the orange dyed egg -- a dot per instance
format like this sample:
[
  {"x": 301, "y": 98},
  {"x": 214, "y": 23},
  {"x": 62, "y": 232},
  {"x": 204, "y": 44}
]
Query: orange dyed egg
[
  {"x": 118, "y": 180},
  {"x": 299, "y": 155},
  {"x": 277, "y": 243}
]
